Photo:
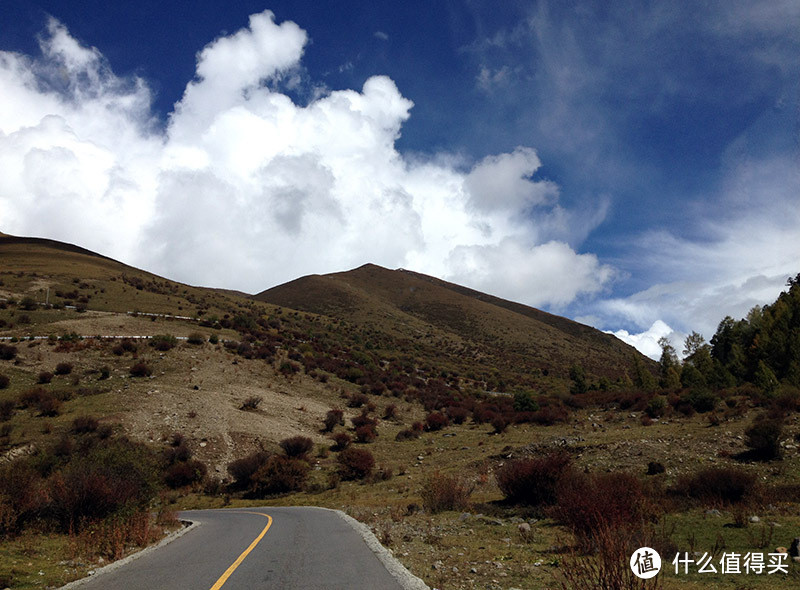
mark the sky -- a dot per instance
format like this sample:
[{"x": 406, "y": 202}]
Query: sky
[{"x": 631, "y": 165}]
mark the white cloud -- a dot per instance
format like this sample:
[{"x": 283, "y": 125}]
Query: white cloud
[
  {"x": 246, "y": 189},
  {"x": 647, "y": 342}
]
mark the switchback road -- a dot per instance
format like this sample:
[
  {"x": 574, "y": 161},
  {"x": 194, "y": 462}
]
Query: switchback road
[{"x": 258, "y": 548}]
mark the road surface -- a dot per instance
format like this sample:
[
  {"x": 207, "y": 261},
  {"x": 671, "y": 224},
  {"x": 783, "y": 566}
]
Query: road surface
[{"x": 253, "y": 549}]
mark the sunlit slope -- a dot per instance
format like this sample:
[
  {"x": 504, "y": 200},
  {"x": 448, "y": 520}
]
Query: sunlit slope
[{"x": 409, "y": 304}]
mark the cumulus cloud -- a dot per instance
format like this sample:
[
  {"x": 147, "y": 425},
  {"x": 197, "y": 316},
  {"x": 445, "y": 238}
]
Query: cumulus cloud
[
  {"x": 246, "y": 189},
  {"x": 647, "y": 342}
]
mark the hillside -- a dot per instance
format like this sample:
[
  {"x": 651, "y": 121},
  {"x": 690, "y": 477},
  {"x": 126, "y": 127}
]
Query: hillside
[{"x": 410, "y": 305}]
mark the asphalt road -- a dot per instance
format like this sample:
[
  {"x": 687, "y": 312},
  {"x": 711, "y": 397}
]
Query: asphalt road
[{"x": 289, "y": 549}]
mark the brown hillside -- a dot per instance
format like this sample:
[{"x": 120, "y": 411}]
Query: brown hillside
[{"x": 411, "y": 305}]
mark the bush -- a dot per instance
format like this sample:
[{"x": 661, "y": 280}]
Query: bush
[
  {"x": 196, "y": 338},
  {"x": 110, "y": 477},
  {"x": 533, "y": 481},
  {"x": 357, "y": 400},
  {"x": 4, "y": 381},
  {"x": 435, "y": 421},
  {"x": 63, "y": 368},
  {"x": 48, "y": 406},
  {"x": 243, "y": 469},
  {"x": 105, "y": 372},
  {"x": 406, "y": 434},
  {"x": 140, "y": 370},
  {"x": 366, "y": 433},
  {"x": 84, "y": 424},
  {"x": 656, "y": 407},
  {"x": 163, "y": 342},
  {"x": 499, "y": 423},
  {"x": 333, "y": 418},
  {"x": 763, "y": 438},
  {"x": 8, "y": 352},
  {"x": 185, "y": 473},
  {"x": 341, "y": 441},
  {"x": 457, "y": 414},
  {"x": 297, "y": 446},
  {"x": 717, "y": 485},
  {"x": 6, "y": 410},
  {"x": 355, "y": 463},
  {"x": 442, "y": 492},
  {"x": 591, "y": 504},
  {"x": 390, "y": 412},
  {"x": 251, "y": 403},
  {"x": 279, "y": 475},
  {"x": 44, "y": 378}
]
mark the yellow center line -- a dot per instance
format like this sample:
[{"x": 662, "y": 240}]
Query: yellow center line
[{"x": 224, "y": 577}]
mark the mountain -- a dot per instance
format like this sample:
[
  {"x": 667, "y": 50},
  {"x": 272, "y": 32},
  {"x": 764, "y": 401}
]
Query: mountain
[{"x": 420, "y": 308}]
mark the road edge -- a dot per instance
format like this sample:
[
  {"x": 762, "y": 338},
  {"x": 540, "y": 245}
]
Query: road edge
[
  {"x": 398, "y": 571},
  {"x": 188, "y": 525}
]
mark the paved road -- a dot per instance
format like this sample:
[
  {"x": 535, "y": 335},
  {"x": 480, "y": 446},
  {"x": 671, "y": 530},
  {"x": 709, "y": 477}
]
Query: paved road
[{"x": 299, "y": 549}]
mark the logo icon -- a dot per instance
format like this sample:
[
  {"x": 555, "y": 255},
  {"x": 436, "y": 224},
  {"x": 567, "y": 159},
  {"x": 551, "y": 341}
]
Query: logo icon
[{"x": 645, "y": 563}]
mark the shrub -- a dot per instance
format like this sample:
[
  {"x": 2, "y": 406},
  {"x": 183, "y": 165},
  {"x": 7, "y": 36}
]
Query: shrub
[
  {"x": 6, "y": 410},
  {"x": 251, "y": 403},
  {"x": 163, "y": 342},
  {"x": 48, "y": 406},
  {"x": 763, "y": 438},
  {"x": 4, "y": 381},
  {"x": 457, "y": 414},
  {"x": 63, "y": 368},
  {"x": 717, "y": 485},
  {"x": 196, "y": 338},
  {"x": 366, "y": 433},
  {"x": 499, "y": 423},
  {"x": 111, "y": 476},
  {"x": 357, "y": 400},
  {"x": 105, "y": 372},
  {"x": 656, "y": 407},
  {"x": 333, "y": 418},
  {"x": 589, "y": 504},
  {"x": 297, "y": 446},
  {"x": 44, "y": 378},
  {"x": 390, "y": 412},
  {"x": 533, "y": 481},
  {"x": 442, "y": 492},
  {"x": 84, "y": 424},
  {"x": 355, "y": 463},
  {"x": 279, "y": 475},
  {"x": 8, "y": 352},
  {"x": 406, "y": 434},
  {"x": 140, "y": 370},
  {"x": 341, "y": 441},
  {"x": 435, "y": 421},
  {"x": 242, "y": 469},
  {"x": 185, "y": 473}
]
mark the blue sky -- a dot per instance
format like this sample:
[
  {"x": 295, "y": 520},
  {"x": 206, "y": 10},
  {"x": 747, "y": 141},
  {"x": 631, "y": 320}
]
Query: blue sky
[{"x": 633, "y": 165}]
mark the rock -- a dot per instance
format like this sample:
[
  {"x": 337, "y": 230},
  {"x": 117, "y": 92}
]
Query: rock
[
  {"x": 473, "y": 570},
  {"x": 794, "y": 549},
  {"x": 524, "y": 528},
  {"x": 713, "y": 512},
  {"x": 464, "y": 516},
  {"x": 437, "y": 565},
  {"x": 754, "y": 519}
]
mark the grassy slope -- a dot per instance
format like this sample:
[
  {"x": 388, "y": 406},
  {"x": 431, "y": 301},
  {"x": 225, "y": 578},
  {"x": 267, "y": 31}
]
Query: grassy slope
[{"x": 417, "y": 306}]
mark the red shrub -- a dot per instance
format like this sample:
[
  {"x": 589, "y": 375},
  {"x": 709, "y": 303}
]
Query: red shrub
[
  {"x": 590, "y": 504},
  {"x": 333, "y": 418},
  {"x": 242, "y": 469},
  {"x": 355, "y": 463},
  {"x": 341, "y": 441},
  {"x": 278, "y": 476},
  {"x": 533, "y": 481},
  {"x": 457, "y": 414},
  {"x": 185, "y": 473},
  {"x": 140, "y": 370},
  {"x": 297, "y": 446},
  {"x": 435, "y": 421},
  {"x": 366, "y": 433},
  {"x": 443, "y": 492}
]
